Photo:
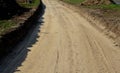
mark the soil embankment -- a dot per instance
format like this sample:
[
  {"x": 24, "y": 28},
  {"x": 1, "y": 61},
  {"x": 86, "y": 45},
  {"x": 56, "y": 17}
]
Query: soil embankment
[
  {"x": 108, "y": 19},
  {"x": 16, "y": 34}
]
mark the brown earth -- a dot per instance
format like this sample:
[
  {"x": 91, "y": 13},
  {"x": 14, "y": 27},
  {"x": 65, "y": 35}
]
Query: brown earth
[
  {"x": 109, "y": 19},
  {"x": 96, "y": 2}
]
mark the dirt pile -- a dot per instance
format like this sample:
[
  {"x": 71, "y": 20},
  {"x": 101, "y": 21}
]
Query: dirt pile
[{"x": 96, "y": 2}]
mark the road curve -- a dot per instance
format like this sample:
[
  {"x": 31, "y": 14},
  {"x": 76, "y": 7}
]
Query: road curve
[{"x": 67, "y": 44}]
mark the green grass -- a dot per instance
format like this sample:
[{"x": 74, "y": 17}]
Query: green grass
[
  {"x": 6, "y": 25},
  {"x": 35, "y": 3},
  {"x": 74, "y": 1},
  {"x": 111, "y": 6}
]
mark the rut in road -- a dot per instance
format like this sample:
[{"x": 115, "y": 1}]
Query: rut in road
[{"x": 67, "y": 44}]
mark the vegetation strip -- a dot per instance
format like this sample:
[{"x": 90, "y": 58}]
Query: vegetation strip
[{"x": 35, "y": 3}]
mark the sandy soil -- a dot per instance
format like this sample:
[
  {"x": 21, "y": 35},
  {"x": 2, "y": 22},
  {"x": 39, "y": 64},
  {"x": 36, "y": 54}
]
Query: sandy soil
[{"x": 67, "y": 43}]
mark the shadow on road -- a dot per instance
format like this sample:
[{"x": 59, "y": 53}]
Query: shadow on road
[{"x": 18, "y": 56}]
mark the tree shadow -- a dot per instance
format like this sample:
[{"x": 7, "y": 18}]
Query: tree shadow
[
  {"x": 10, "y": 8},
  {"x": 15, "y": 59}
]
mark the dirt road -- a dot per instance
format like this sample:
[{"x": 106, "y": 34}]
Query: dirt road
[{"x": 67, "y": 44}]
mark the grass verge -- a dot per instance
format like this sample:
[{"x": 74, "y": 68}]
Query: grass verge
[
  {"x": 111, "y": 7},
  {"x": 6, "y": 25},
  {"x": 35, "y": 3}
]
